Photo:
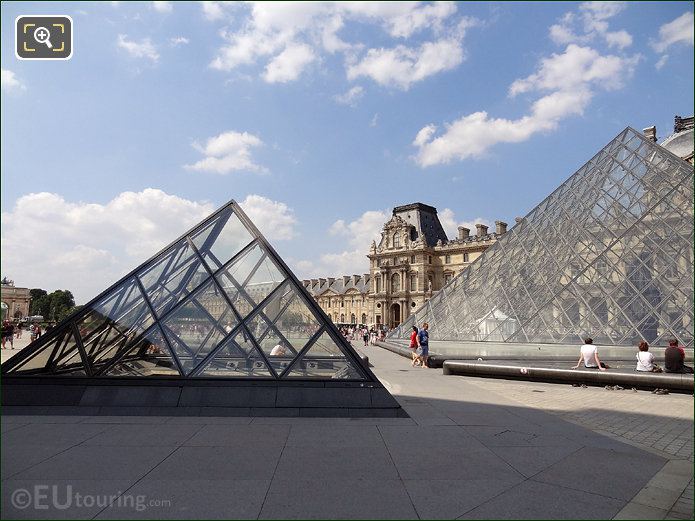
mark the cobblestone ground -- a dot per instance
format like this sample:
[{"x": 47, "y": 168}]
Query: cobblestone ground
[{"x": 660, "y": 422}]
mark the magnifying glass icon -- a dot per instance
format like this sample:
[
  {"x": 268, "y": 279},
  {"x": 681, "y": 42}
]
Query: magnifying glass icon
[{"x": 43, "y": 35}]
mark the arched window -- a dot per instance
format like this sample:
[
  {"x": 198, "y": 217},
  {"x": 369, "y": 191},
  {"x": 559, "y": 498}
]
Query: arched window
[
  {"x": 364, "y": 318},
  {"x": 342, "y": 318},
  {"x": 377, "y": 280},
  {"x": 413, "y": 282},
  {"x": 396, "y": 240},
  {"x": 353, "y": 319},
  {"x": 396, "y": 282}
]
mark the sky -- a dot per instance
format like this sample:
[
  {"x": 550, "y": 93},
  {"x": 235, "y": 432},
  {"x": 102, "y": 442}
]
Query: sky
[{"x": 318, "y": 118}]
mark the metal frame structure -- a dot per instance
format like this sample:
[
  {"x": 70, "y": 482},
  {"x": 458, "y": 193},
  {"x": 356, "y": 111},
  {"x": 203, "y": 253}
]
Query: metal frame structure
[
  {"x": 101, "y": 340},
  {"x": 609, "y": 254}
]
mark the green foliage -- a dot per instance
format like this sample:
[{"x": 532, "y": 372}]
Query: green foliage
[{"x": 52, "y": 307}]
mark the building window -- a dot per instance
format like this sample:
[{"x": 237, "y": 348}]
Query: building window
[
  {"x": 342, "y": 303},
  {"x": 396, "y": 240},
  {"x": 377, "y": 284},
  {"x": 447, "y": 278},
  {"x": 413, "y": 283},
  {"x": 465, "y": 257},
  {"x": 412, "y": 259},
  {"x": 395, "y": 282},
  {"x": 328, "y": 303},
  {"x": 447, "y": 259},
  {"x": 429, "y": 259},
  {"x": 342, "y": 318},
  {"x": 378, "y": 262}
]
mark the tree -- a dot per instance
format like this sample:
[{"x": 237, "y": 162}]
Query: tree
[
  {"x": 61, "y": 302},
  {"x": 38, "y": 306}
]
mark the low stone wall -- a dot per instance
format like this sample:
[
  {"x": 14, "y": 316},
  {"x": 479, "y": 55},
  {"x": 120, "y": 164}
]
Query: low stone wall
[{"x": 676, "y": 382}]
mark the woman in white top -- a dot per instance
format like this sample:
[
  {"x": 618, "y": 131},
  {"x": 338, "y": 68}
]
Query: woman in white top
[
  {"x": 589, "y": 354},
  {"x": 645, "y": 360}
]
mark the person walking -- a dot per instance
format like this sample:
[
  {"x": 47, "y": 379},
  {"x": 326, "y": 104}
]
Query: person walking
[{"x": 423, "y": 340}]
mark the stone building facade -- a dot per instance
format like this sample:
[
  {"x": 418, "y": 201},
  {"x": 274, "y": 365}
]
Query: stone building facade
[
  {"x": 413, "y": 260},
  {"x": 15, "y": 301}
]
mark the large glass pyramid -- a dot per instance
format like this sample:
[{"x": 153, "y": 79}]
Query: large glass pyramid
[
  {"x": 216, "y": 303},
  {"x": 609, "y": 254}
]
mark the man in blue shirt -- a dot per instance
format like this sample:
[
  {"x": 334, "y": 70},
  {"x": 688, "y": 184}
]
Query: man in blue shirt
[{"x": 423, "y": 340}]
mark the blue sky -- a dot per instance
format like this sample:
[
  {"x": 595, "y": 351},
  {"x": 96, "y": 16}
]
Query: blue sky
[{"x": 318, "y": 118}]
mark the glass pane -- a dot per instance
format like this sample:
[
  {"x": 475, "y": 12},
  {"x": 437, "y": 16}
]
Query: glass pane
[
  {"x": 149, "y": 356},
  {"x": 222, "y": 239},
  {"x": 173, "y": 277},
  {"x": 59, "y": 355},
  {"x": 251, "y": 277},
  {"x": 325, "y": 359},
  {"x": 237, "y": 357},
  {"x": 113, "y": 322},
  {"x": 195, "y": 328}
]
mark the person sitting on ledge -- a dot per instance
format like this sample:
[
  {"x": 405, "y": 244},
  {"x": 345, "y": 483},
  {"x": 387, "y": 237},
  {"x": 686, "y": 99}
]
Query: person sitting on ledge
[
  {"x": 674, "y": 356},
  {"x": 589, "y": 354},
  {"x": 278, "y": 350},
  {"x": 645, "y": 359}
]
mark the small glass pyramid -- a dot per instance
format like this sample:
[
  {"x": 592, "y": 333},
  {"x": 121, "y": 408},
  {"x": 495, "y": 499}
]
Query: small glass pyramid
[
  {"x": 216, "y": 303},
  {"x": 609, "y": 254}
]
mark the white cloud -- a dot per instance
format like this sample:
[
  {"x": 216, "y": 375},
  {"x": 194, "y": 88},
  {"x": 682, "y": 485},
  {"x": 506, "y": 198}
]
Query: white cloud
[
  {"x": 286, "y": 37},
  {"x": 274, "y": 219},
  {"x": 591, "y": 22},
  {"x": 162, "y": 7},
  {"x": 568, "y": 81},
  {"x": 9, "y": 81},
  {"x": 375, "y": 120},
  {"x": 51, "y": 243},
  {"x": 214, "y": 11},
  {"x": 358, "y": 235},
  {"x": 142, "y": 49},
  {"x": 350, "y": 97},
  {"x": 402, "y": 66},
  {"x": 289, "y": 64},
  {"x": 662, "y": 61},
  {"x": 228, "y": 152},
  {"x": 179, "y": 40},
  {"x": 678, "y": 31},
  {"x": 451, "y": 224}
]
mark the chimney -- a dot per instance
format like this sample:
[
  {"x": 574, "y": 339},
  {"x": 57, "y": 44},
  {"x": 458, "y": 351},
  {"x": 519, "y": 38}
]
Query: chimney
[
  {"x": 481, "y": 230},
  {"x": 314, "y": 282},
  {"x": 322, "y": 281},
  {"x": 355, "y": 279},
  {"x": 366, "y": 278},
  {"x": 331, "y": 280},
  {"x": 346, "y": 279},
  {"x": 500, "y": 227},
  {"x": 650, "y": 133},
  {"x": 464, "y": 232}
]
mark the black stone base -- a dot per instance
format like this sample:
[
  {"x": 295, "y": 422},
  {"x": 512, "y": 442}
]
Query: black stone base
[{"x": 93, "y": 396}]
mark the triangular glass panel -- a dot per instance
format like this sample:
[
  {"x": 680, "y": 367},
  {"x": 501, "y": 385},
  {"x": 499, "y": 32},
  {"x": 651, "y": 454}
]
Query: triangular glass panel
[
  {"x": 237, "y": 357},
  {"x": 324, "y": 359},
  {"x": 198, "y": 325},
  {"x": 148, "y": 356},
  {"x": 222, "y": 239},
  {"x": 589, "y": 259},
  {"x": 59, "y": 356}
]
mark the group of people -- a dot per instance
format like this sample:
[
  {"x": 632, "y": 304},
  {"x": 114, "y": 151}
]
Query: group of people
[
  {"x": 674, "y": 358},
  {"x": 369, "y": 336},
  {"x": 420, "y": 344}
]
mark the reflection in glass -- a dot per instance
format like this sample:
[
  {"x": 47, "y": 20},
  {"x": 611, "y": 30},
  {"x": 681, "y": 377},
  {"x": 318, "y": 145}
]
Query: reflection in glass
[
  {"x": 149, "y": 356},
  {"x": 325, "y": 359}
]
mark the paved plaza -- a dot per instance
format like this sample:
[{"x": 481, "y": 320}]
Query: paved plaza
[{"x": 472, "y": 448}]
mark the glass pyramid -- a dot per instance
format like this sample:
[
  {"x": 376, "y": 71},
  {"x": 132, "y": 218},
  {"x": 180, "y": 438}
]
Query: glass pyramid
[
  {"x": 609, "y": 254},
  {"x": 216, "y": 303}
]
